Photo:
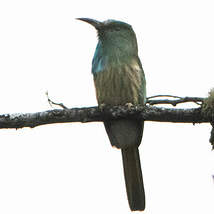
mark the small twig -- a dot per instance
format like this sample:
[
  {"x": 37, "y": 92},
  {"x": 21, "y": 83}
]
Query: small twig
[
  {"x": 54, "y": 103},
  {"x": 178, "y": 100},
  {"x": 155, "y": 96}
]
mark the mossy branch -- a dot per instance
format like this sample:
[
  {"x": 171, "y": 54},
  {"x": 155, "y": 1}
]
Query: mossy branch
[
  {"x": 94, "y": 114},
  {"x": 202, "y": 114}
]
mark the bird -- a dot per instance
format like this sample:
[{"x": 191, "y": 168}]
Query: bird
[{"x": 120, "y": 80}]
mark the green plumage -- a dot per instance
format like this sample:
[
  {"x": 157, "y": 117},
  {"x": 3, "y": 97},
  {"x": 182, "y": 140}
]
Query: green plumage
[
  {"x": 119, "y": 79},
  {"x": 121, "y": 84}
]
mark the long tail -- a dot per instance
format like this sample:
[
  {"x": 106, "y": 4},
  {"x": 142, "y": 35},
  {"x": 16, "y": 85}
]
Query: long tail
[{"x": 133, "y": 178}]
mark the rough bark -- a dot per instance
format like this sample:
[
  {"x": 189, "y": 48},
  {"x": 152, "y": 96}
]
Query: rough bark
[{"x": 94, "y": 114}]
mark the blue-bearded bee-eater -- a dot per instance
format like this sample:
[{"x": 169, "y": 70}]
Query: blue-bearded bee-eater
[{"x": 119, "y": 80}]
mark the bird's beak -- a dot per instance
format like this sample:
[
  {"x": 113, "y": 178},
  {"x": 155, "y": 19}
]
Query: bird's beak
[{"x": 92, "y": 22}]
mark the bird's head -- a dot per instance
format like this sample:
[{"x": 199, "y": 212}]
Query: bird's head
[{"x": 114, "y": 33}]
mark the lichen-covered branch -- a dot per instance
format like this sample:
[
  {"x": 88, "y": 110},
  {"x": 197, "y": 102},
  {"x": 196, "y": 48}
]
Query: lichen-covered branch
[{"x": 94, "y": 114}]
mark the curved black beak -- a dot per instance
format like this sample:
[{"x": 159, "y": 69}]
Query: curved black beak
[{"x": 92, "y": 22}]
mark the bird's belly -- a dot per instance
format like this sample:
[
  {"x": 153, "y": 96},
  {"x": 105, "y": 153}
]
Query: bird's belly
[{"x": 118, "y": 86}]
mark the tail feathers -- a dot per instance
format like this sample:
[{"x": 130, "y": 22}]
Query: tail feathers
[
  {"x": 124, "y": 133},
  {"x": 133, "y": 178}
]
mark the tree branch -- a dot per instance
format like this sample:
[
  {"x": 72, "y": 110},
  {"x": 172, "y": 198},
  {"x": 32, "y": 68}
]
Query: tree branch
[
  {"x": 177, "y": 100},
  {"x": 94, "y": 114}
]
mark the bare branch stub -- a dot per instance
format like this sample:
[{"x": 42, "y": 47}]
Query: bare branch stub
[{"x": 54, "y": 103}]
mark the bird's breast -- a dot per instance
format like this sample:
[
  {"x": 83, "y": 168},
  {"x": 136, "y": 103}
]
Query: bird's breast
[{"x": 121, "y": 84}]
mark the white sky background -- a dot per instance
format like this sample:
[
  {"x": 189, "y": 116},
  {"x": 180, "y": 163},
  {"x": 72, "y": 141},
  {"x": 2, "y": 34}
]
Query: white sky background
[{"x": 71, "y": 168}]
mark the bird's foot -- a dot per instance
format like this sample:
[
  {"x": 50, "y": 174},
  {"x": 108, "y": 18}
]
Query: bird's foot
[
  {"x": 129, "y": 105},
  {"x": 102, "y": 106}
]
